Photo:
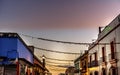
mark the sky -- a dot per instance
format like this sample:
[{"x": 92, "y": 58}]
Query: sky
[
  {"x": 64, "y": 20},
  {"x": 60, "y": 14}
]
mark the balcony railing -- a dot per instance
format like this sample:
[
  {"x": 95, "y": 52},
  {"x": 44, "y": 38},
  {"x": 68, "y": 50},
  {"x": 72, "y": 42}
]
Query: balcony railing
[
  {"x": 113, "y": 57},
  {"x": 93, "y": 64},
  {"x": 103, "y": 60},
  {"x": 89, "y": 65}
]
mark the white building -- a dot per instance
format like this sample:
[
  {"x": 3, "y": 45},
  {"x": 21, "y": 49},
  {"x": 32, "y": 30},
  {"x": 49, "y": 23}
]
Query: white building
[{"x": 106, "y": 51}]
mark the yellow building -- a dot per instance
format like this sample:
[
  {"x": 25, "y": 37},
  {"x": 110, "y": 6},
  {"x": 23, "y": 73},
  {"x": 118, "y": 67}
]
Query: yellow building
[
  {"x": 93, "y": 63},
  {"x": 84, "y": 64}
]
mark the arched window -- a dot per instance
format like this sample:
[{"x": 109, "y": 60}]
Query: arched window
[
  {"x": 96, "y": 73},
  {"x": 103, "y": 71},
  {"x": 113, "y": 71},
  {"x": 91, "y": 73}
]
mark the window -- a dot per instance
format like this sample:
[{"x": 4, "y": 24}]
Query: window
[
  {"x": 90, "y": 58},
  {"x": 114, "y": 71},
  {"x": 103, "y": 54},
  {"x": 103, "y": 71},
  {"x": 112, "y": 50},
  {"x": 95, "y": 56},
  {"x": 96, "y": 73}
]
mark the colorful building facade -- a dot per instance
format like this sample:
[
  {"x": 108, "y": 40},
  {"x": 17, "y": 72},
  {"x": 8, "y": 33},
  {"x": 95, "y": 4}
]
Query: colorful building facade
[
  {"x": 77, "y": 66},
  {"x": 84, "y": 64},
  {"x": 16, "y": 58},
  {"x": 106, "y": 50}
]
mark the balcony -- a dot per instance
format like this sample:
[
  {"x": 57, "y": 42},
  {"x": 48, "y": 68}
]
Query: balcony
[
  {"x": 94, "y": 63},
  {"x": 114, "y": 57},
  {"x": 103, "y": 60},
  {"x": 89, "y": 65},
  {"x": 83, "y": 70}
]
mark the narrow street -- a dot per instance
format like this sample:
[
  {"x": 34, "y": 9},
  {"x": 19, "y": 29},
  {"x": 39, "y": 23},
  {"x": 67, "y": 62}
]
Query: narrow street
[{"x": 59, "y": 37}]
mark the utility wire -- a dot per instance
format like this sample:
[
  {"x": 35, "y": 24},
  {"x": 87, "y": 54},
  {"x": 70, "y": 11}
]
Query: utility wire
[
  {"x": 56, "y": 51},
  {"x": 61, "y": 66},
  {"x": 50, "y": 40},
  {"x": 56, "y": 62},
  {"x": 57, "y": 59},
  {"x": 65, "y": 42}
]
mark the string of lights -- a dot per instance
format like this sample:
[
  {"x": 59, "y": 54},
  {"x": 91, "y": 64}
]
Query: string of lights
[
  {"x": 61, "y": 66},
  {"x": 53, "y": 64},
  {"x": 50, "y": 40},
  {"x": 57, "y": 69},
  {"x": 56, "y": 51},
  {"x": 57, "y": 59},
  {"x": 65, "y": 42},
  {"x": 57, "y": 62}
]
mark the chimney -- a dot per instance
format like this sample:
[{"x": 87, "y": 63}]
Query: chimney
[{"x": 100, "y": 29}]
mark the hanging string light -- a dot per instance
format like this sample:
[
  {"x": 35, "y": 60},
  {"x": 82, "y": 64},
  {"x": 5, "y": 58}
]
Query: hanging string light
[
  {"x": 57, "y": 59},
  {"x": 50, "y": 40},
  {"x": 56, "y": 51},
  {"x": 57, "y": 63},
  {"x": 65, "y": 42}
]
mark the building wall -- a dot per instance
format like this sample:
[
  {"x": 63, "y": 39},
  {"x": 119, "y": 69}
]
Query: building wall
[
  {"x": 118, "y": 48},
  {"x": 12, "y": 48},
  {"x": 24, "y": 52},
  {"x": 109, "y": 34},
  {"x": 93, "y": 69},
  {"x": 84, "y": 64},
  {"x": 77, "y": 68},
  {"x": 7, "y": 44},
  {"x": 113, "y": 35}
]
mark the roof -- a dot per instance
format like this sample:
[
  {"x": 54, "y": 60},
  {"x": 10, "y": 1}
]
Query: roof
[
  {"x": 14, "y": 35},
  {"x": 109, "y": 28}
]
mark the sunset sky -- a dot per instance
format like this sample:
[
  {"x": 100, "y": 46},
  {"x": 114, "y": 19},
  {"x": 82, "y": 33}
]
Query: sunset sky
[{"x": 64, "y": 20}]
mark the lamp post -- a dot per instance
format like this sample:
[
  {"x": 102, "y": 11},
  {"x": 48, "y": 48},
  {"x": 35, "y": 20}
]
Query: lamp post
[{"x": 43, "y": 59}]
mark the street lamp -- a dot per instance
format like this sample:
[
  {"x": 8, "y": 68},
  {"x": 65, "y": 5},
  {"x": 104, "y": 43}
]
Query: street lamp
[{"x": 43, "y": 59}]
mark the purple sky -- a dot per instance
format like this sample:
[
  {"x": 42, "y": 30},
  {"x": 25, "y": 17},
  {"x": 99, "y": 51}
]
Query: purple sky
[{"x": 57, "y": 14}]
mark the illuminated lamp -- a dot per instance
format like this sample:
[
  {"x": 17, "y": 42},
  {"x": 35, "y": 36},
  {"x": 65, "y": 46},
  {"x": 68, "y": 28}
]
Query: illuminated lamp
[{"x": 43, "y": 59}]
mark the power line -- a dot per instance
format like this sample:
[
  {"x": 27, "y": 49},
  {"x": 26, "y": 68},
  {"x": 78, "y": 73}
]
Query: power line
[
  {"x": 61, "y": 66},
  {"x": 50, "y": 40},
  {"x": 58, "y": 59},
  {"x": 56, "y": 51},
  {"x": 56, "y": 62},
  {"x": 65, "y": 42}
]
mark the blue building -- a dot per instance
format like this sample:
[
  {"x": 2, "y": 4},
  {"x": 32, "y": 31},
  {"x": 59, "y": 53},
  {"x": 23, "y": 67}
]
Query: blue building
[{"x": 15, "y": 56}]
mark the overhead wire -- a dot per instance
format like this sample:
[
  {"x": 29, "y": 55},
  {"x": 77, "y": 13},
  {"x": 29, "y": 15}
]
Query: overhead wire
[
  {"x": 57, "y": 62},
  {"x": 56, "y": 51},
  {"x": 50, "y": 40},
  {"x": 61, "y": 66},
  {"x": 65, "y": 42},
  {"x": 57, "y": 59}
]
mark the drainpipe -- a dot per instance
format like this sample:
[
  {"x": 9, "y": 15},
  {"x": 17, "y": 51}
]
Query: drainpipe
[{"x": 17, "y": 63}]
